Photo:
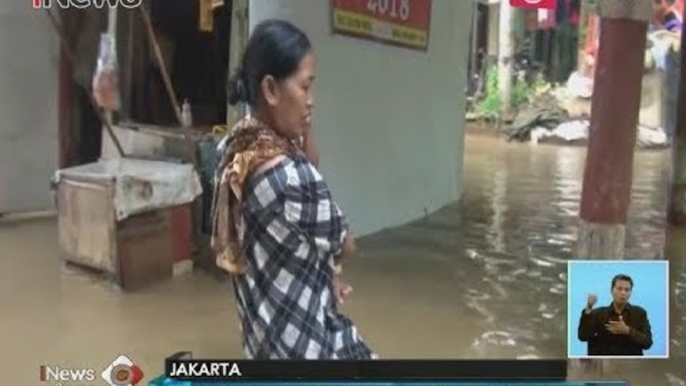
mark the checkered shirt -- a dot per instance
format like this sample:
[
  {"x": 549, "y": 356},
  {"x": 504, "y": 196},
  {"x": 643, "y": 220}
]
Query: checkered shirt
[{"x": 292, "y": 229}]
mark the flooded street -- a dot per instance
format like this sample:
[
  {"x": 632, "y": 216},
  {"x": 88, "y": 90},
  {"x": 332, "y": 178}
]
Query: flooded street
[
  {"x": 521, "y": 207},
  {"x": 499, "y": 259},
  {"x": 482, "y": 278}
]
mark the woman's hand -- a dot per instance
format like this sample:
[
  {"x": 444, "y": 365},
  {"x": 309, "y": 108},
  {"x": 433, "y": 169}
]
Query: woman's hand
[
  {"x": 341, "y": 290},
  {"x": 349, "y": 246},
  {"x": 348, "y": 249}
]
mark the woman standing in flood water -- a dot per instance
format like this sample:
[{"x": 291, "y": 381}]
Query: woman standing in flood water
[{"x": 276, "y": 227}]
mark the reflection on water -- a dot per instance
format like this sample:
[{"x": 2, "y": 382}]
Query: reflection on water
[{"x": 518, "y": 228}]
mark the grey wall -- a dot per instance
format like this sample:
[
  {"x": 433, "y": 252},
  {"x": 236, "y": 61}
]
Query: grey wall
[
  {"x": 389, "y": 120},
  {"x": 28, "y": 107}
]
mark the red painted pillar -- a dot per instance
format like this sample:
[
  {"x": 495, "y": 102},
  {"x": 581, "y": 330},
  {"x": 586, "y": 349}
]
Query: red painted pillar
[{"x": 606, "y": 193}]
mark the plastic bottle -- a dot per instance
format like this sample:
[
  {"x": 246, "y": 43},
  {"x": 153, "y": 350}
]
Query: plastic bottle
[{"x": 186, "y": 114}]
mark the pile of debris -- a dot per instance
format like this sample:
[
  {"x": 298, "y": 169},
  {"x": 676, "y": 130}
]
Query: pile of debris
[
  {"x": 545, "y": 120},
  {"x": 562, "y": 115},
  {"x": 544, "y": 113}
]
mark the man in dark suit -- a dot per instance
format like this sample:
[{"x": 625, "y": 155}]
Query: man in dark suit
[{"x": 619, "y": 329}]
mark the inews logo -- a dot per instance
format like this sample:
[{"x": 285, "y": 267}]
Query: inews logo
[
  {"x": 121, "y": 372},
  {"x": 82, "y": 4},
  {"x": 539, "y": 4}
]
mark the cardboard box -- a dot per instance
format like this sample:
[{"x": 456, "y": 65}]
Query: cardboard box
[
  {"x": 124, "y": 225},
  {"x": 134, "y": 252}
]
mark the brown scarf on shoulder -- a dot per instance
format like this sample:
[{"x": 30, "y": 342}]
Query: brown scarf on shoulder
[{"x": 251, "y": 144}]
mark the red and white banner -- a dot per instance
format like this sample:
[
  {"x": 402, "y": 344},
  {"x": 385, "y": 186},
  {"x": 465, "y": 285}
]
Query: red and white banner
[
  {"x": 399, "y": 22},
  {"x": 536, "y": 4}
]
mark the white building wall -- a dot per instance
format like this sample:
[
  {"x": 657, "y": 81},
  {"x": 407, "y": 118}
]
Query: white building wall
[
  {"x": 493, "y": 29},
  {"x": 389, "y": 120},
  {"x": 28, "y": 107}
]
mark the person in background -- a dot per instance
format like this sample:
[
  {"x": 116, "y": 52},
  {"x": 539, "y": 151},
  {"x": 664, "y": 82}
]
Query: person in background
[
  {"x": 618, "y": 329},
  {"x": 276, "y": 227},
  {"x": 667, "y": 15}
]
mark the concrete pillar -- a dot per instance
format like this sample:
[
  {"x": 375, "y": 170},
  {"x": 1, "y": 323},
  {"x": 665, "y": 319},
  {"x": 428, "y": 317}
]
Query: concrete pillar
[
  {"x": 675, "y": 251},
  {"x": 65, "y": 149},
  {"x": 240, "y": 31},
  {"x": 505, "y": 56},
  {"x": 675, "y": 243},
  {"x": 474, "y": 44},
  {"x": 607, "y": 182},
  {"x": 677, "y": 205}
]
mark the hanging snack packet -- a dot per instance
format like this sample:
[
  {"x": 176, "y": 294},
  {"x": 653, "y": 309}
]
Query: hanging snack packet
[{"x": 106, "y": 77}]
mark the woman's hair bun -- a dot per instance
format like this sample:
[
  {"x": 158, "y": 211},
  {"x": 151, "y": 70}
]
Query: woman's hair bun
[
  {"x": 236, "y": 92},
  {"x": 275, "y": 48}
]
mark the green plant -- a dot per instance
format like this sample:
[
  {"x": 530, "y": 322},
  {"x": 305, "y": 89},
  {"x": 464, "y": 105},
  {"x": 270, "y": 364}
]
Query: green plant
[
  {"x": 489, "y": 106},
  {"x": 541, "y": 86},
  {"x": 523, "y": 93}
]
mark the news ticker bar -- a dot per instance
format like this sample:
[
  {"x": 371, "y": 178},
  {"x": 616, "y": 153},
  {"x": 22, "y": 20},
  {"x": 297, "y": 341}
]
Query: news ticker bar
[
  {"x": 188, "y": 369},
  {"x": 163, "y": 381}
]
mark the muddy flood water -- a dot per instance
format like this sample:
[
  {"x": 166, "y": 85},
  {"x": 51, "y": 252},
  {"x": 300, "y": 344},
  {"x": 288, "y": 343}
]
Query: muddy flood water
[{"x": 482, "y": 278}]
